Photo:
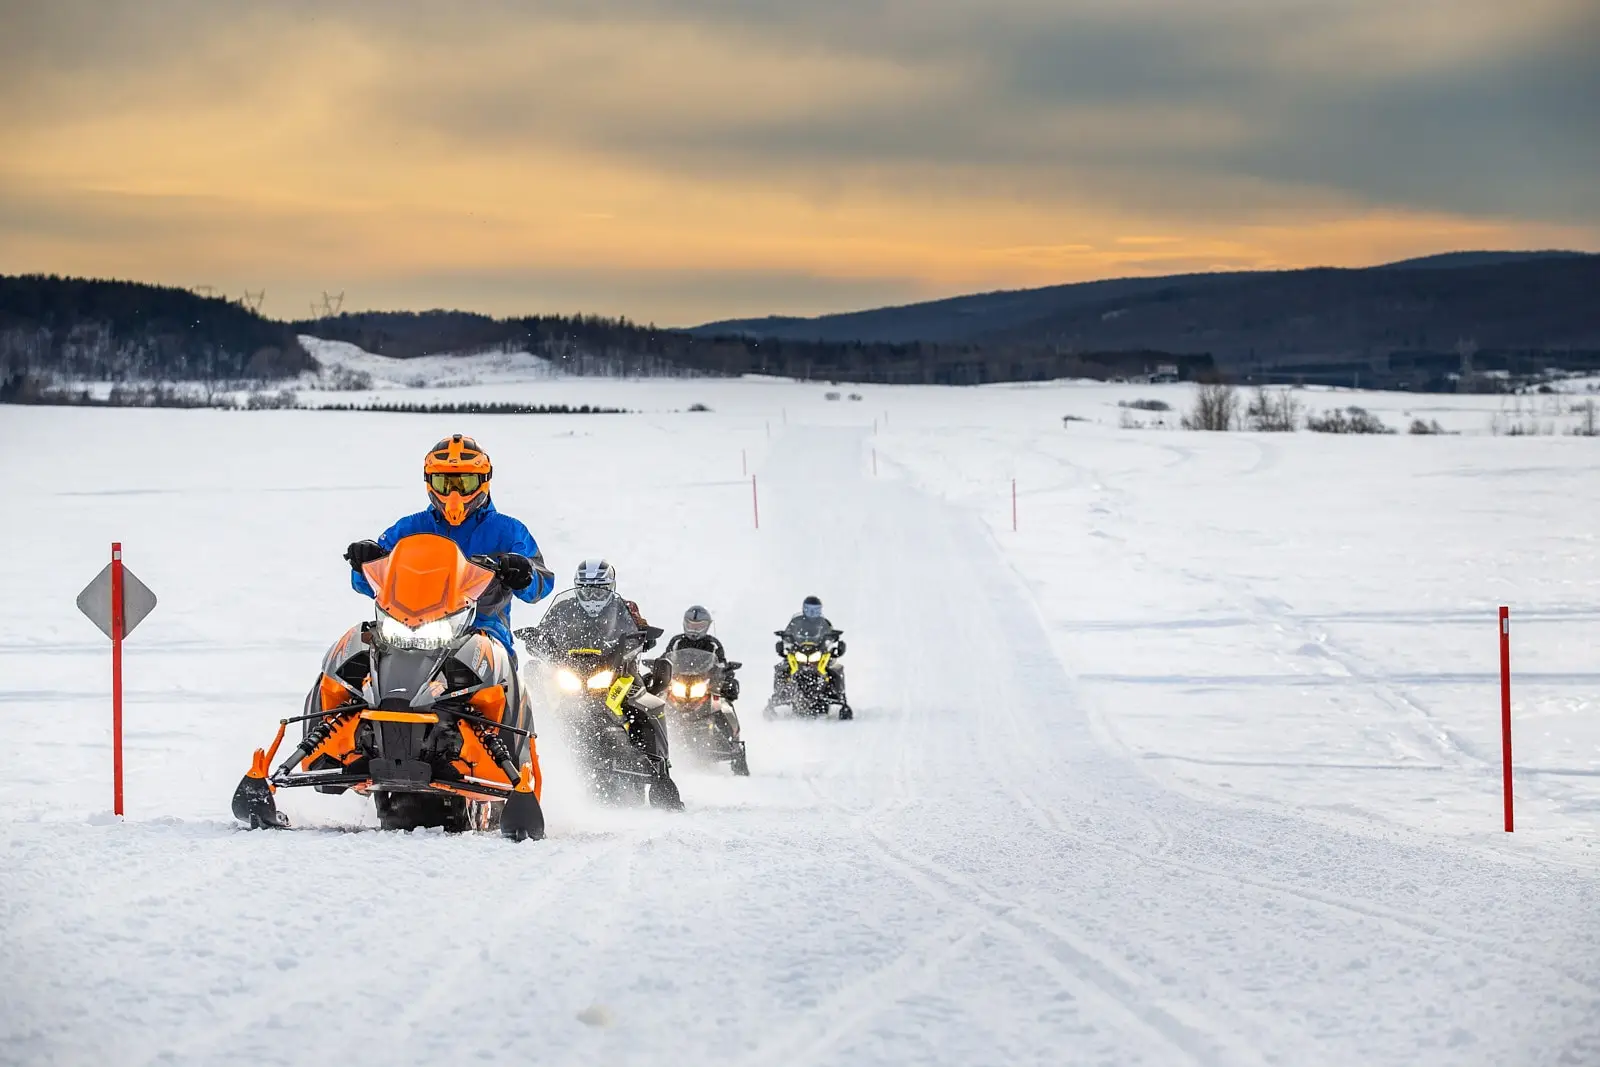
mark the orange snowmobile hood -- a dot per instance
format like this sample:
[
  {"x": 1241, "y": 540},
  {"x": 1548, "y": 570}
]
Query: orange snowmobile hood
[{"x": 424, "y": 579}]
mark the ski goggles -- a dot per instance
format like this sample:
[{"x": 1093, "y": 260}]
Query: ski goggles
[{"x": 465, "y": 484}]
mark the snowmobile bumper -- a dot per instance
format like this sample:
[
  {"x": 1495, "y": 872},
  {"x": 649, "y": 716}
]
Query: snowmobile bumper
[{"x": 253, "y": 802}]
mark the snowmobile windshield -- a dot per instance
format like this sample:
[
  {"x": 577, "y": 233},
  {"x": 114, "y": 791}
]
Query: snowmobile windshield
[
  {"x": 425, "y": 580},
  {"x": 804, "y": 629},
  {"x": 691, "y": 662},
  {"x": 568, "y": 624}
]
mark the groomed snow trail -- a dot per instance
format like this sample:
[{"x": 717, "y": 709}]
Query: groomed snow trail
[{"x": 963, "y": 875}]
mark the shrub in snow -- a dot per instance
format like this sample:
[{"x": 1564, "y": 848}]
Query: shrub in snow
[
  {"x": 1587, "y": 423},
  {"x": 698, "y": 407},
  {"x": 1216, "y": 407},
  {"x": 342, "y": 379},
  {"x": 1273, "y": 411},
  {"x": 279, "y": 401},
  {"x": 474, "y": 408},
  {"x": 1430, "y": 427},
  {"x": 1128, "y": 421},
  {"x": 1350, "y": 420},
  {"x": 1145, "y": 405}
]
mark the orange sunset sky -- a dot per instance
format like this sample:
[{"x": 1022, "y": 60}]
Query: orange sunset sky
[{"x": 684, "y": 160}]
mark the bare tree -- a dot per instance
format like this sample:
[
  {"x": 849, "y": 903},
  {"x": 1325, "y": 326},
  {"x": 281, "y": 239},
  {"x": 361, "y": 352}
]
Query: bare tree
[
  {"x": 1273, "y": 411},
  {"x": 1216, "y": 407}
]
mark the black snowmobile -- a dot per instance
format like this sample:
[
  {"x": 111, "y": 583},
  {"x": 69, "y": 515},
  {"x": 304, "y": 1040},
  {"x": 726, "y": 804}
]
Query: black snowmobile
[
  {"x": 807, "y": 681},
  {"x": 705, "y": 721},
  {"x": 604, "y": 702}
]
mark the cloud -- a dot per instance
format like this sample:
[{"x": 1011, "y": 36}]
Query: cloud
[{"x": 883, "y": 148}]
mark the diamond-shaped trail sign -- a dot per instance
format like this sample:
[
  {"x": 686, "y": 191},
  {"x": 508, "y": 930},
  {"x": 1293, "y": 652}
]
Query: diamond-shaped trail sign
[{"x": 95, "y": 601}]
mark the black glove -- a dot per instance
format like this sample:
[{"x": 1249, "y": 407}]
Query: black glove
[
  {"x": 361, "y": 553},
  {"x": 660, "y": 677},
  {"x": 730, "y": 688},
  {"x": 515, "y": 570}
]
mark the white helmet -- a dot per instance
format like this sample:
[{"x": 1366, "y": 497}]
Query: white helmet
[
  {"x": 697, "y": 621},
  {"x": 594, "y": 585}
]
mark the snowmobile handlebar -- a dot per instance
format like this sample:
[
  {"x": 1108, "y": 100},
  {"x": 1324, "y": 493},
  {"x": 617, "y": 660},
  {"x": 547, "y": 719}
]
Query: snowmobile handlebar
[{"x": 535, "y": 640}]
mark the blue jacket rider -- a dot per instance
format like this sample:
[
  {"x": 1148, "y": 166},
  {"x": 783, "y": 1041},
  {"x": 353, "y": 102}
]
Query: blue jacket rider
[{"x": 457, "y": 474}]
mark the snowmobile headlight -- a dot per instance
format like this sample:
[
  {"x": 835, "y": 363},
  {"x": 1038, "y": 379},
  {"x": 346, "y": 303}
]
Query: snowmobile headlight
[
  {"x": 602, "y": 680},
  {"x": 568, "y": 681},
  {"x": 437, "y": 634},
  {"x": 812, "y": 657},
  {"x": 680, "y": 690},
  {"x": 697, "y": 690}
]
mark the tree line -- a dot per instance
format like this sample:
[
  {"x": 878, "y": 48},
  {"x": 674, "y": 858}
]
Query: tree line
[
  {"x": 122, "y": 331},
  {"x": 54, "y": 328}
]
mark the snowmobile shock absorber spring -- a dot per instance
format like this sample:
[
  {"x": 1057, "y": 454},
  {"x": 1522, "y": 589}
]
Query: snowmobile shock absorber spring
[
  {"x": 495, "y": 745},
  {"x": 313, "y": 739}
]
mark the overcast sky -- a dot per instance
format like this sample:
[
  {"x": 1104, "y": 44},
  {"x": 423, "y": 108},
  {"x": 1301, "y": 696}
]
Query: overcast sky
[{"x": 683, "y": 160}]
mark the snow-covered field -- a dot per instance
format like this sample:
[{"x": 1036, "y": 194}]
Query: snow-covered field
[{"x": 1199, "y": 765}]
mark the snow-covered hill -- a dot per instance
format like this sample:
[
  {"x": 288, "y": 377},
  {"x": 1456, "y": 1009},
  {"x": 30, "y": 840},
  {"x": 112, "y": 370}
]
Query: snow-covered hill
[
  {"x": 1198, "y": 765},
  {"x": 341, "y": 359}
]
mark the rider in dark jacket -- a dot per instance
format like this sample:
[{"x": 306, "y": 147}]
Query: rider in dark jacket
[
  {"x": 697, "y": 634},
  {"x": 811, "y": 619}
]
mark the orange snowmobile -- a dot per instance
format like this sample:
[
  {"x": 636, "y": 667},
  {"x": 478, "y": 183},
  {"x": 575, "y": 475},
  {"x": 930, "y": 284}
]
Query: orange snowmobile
[{"x": 416, "y": 709}]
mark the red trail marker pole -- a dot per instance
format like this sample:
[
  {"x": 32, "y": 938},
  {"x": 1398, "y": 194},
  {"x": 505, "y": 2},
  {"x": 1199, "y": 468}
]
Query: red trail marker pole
[
  {"x": 1505, "y": 708},
  {"x": 116, "y": 601},
  {"x": 117, "y": 617},
  {"x": 755, "y": 502},
  {"x": 1013, "y": 505}
]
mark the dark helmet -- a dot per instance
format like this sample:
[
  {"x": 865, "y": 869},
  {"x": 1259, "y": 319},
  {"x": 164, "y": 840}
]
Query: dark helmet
[
  {"x": 811, "y": 608},
  {"x": 697, "y": 621}
]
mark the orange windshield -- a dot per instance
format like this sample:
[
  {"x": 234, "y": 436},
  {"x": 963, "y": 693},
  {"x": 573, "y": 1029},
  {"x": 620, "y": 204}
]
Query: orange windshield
[{"x": 424, "y": 579}]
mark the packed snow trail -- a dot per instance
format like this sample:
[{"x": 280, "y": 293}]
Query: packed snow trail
[{"x": 963, "y": 875}]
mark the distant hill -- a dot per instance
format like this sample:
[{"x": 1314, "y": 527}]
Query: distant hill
[
  {"x": 1430, "y": 323},
  {"x": 1506, "y": 300},
  {"x": 1477, "y": 259},
  {"x": 118, "y": 331}
]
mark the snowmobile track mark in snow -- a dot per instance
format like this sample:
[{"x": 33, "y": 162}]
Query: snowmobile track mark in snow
[{"x": 204, "y": 1043}]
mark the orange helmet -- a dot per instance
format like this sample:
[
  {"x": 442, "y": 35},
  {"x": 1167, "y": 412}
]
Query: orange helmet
[{"x": 457, "y": 474}]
